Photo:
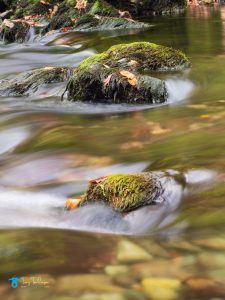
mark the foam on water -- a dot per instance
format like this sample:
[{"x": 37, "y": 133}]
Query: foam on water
[{"x": 178, "y": 89}]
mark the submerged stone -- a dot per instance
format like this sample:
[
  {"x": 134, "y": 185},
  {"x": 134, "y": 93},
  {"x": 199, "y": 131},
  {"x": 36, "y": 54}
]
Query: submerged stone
[
  {"x": 116, "y": 75},
  {"x": 91, "y": 22},
  {"x": 124, "y": 192},
  {"x": 29, "y": 82}
]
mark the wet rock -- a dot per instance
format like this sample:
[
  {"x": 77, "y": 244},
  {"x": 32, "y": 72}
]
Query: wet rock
[
  {"x": 161, "y": 268},
  {"x": 129, "y": 252},
  {"x": 116, "y": 76},
  {"x": 212, "y": 243},
  {"x": 124, "y": 192},
  {"x": 161, "y": 288},
  {"x": 211, "y": 260},
  {"x": 182, "y": 245},
  {"x": 205, "y": 288},
  {"x": 153, "y": 7},
  {"x": 14, "y": 31},
  {"x": 116, "y": 270},
  {"x": 90, "y": 22},
  {"x": 27, "y": 83}
]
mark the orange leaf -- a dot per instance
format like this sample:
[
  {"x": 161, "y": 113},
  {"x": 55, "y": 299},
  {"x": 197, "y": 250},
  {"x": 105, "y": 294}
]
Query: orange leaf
[
  {"x": 72, "y": 203},
  {"x": 132, "y": 81},
  {"x": 127, "y": 74}
]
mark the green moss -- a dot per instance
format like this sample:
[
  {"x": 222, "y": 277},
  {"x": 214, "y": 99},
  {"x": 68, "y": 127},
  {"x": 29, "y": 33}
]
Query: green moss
[
  {"x": 103, "y": 9},
  {"x": 124, "y": 192},
  {"x": 92, "y": 60},
  {"x": 148, "y": 56}
]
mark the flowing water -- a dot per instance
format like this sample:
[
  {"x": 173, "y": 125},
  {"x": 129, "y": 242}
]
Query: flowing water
[{"x": 49, "y": 149}]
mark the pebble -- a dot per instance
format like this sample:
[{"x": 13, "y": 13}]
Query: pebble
[
  {"x": 205, "y": 287},
  {"x": 116, "y": 270},
  {"x": 211, "y": 260},
  {"x": 129, "y": 252},
  {"x": 161, "y": 288}
]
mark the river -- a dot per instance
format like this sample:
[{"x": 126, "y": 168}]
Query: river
[{"x": 49, "y": 149}]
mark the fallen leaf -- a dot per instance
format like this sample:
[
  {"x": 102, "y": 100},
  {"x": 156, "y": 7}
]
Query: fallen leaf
[
  {"x": 65, "y": 29},
  {"x": 132, "y": 81},
  {"x": 107, "y": 81},
  {"x": 72, "y": 203},
  {"x": 131, "y": 78},
  {"x": 99, "y": 180},
  {"x": 81, "y": 4},
  {"x": 44, "y": 2},
  {"x": 8, "y": 23}
]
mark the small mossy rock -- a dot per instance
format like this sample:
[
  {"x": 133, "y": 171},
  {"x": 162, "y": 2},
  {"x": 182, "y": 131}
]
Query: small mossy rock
[
  {"x": 124, "y": 192},
  {"x": 92, "y": 86},
  {"x": 89, "y": 22},
  {"x": 29, "y": 82},
  {"x": 14, "y": 31}
]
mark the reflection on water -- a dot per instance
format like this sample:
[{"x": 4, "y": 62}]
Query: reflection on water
[{"x": 49, "y": 150}]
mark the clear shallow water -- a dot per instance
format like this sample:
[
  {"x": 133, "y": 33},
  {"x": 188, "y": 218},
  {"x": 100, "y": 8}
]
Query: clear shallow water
[{"x": 49, "y": 150}]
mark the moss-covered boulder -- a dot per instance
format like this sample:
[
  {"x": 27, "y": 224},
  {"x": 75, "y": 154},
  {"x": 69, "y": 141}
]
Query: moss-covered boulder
[
  {"x": 100, "y": 84},
  {"x": 14, "y": 31},
  {"x": 118, "y": 75},
  {"x": 141, "y": 56},
  {"x": 124, "y": 192},
  {"x": 29, "y": 82}
]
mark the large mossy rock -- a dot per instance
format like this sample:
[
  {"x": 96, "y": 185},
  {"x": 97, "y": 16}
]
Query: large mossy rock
[
  {"x": 124, "y": 192},
  {"x": 117, "y": 75},
  {"x": 29, "y": 82}
]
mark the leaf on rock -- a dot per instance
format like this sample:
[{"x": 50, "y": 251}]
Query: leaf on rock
[
  {"x": 131, "y": 78},
  {"x": 107, "y": 80},
  {"x": 72, "y": 203},
  {"x": 81, "y": 4}
]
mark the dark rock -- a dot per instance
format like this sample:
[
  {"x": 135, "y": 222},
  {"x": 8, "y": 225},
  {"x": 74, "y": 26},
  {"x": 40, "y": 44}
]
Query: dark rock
[
  {"x": 150, "y": 7},
  {"x": 14, "y": 31},
  {"x": 29, "y": 82},
  {"x": 96, "y": 22}
]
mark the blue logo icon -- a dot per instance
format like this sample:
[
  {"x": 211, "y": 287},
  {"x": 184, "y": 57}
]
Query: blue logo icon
[{"x": 14, "y": 282}]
